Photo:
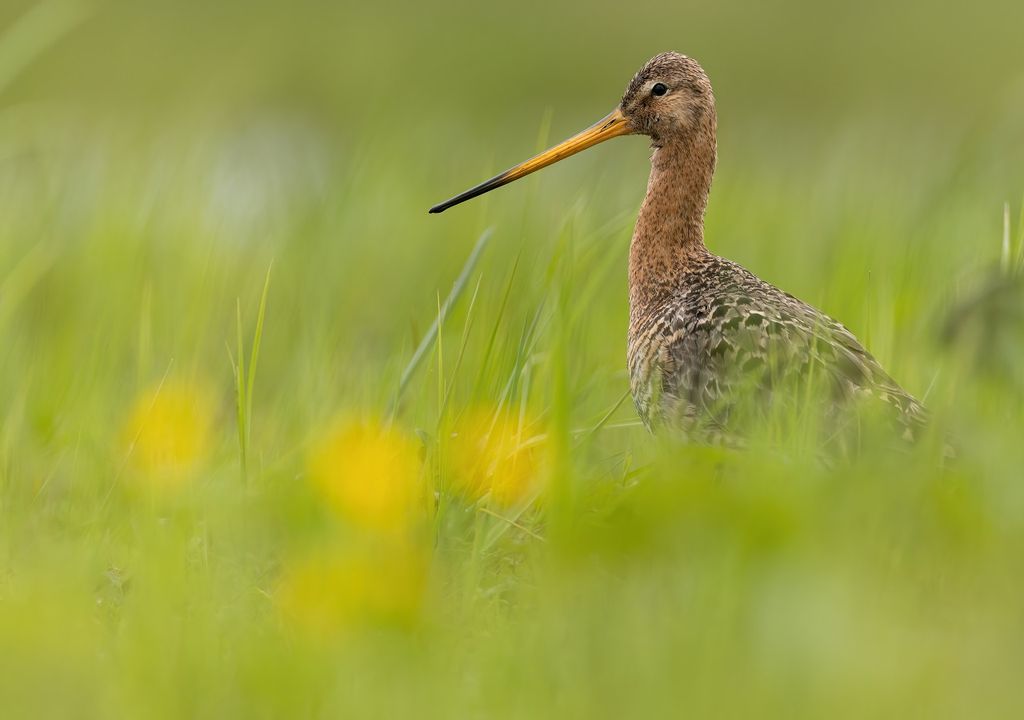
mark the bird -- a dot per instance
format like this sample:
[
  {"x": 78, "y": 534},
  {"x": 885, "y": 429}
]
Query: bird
[{"x": 708, "y": 340}]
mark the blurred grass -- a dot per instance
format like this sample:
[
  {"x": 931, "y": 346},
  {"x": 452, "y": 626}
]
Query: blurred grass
[{"x": 157, "y": 158}]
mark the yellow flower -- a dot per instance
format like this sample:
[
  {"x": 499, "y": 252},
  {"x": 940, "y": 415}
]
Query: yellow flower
[
  {"x": 369, "y": 473},
  {"x": 168, "y": 429},
  {"x": 491, "y": 454},
  {"x": 341, "y": 590}
]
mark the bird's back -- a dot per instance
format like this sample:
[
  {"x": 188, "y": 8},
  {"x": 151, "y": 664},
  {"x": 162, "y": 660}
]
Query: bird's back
[{"x": 725, "y": 344}]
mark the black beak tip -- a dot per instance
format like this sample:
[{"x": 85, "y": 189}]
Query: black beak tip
[{"x": 494, "y": 182}]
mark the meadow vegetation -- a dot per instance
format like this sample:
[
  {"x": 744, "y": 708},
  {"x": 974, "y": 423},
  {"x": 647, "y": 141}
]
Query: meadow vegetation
[{"x": 276, "y": 443}]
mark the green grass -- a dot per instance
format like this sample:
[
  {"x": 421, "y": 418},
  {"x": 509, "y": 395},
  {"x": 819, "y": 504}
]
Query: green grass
[{"x": 653, "y": 579}]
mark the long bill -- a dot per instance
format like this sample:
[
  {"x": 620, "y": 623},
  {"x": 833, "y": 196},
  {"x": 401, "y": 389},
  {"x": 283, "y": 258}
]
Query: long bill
[{"x": 613, "y": 125}]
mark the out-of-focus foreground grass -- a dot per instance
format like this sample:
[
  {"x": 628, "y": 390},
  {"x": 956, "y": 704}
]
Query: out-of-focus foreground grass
[{"x": 219, "y": 499}]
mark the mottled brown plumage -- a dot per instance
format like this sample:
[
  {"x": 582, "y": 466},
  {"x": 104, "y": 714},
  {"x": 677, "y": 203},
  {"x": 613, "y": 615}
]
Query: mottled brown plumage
[{"x": 708, "y": 340}]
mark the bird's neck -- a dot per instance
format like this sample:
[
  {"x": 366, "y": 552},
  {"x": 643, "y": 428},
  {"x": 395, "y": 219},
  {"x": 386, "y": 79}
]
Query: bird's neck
[{"x": 669, "y": 233}]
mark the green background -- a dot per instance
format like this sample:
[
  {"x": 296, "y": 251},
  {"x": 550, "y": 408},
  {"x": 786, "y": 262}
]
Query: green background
[{"x": 157, "y": 157}]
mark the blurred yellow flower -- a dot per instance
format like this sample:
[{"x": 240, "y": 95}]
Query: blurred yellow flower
[
  {"x": 369, "y": 473},
  {"x": 342, "y": 590},
  {"x": 492, "y": 454},
  {"x": 168, "y": 429}
]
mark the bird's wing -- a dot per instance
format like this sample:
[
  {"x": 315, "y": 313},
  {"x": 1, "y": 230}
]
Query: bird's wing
[{"x": 744, "y": 339}]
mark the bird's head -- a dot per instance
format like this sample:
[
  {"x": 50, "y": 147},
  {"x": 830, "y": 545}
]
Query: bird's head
[{"x": 668, "y": 99}]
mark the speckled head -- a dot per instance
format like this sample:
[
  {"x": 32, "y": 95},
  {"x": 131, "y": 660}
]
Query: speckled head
[
  {"x": 669, "y": 98},
  {"x": 670, "y": 95}
]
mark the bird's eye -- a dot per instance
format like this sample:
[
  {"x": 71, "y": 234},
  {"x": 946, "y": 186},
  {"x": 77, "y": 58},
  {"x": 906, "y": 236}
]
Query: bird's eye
[{"x": 659, "y": 89}]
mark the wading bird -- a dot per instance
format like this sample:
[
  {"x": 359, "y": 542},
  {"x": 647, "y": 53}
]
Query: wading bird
[{"x": 706, "y": 335}]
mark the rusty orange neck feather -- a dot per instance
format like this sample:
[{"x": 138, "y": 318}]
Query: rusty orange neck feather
[{"x": 669, "y": 233}]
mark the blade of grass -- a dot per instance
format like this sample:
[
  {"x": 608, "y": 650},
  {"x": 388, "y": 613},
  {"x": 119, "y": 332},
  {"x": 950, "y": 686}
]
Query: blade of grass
[
  {"x": 586, "y": 434},
  {"x": 240, "y": 401},
  {"x": 245, "y": 380},
  {"x": 428, "y": 340},
  {"x": 486, "y": 361},
  {"x": 1020, "y": 237},
  {"x": 513, "y": 523},
  {"x": 462, "y": 348},
  {"x": 1004, "y": 256},
  {"x": 254, "y": 357},
  {"x": 440, "y": 356},
  {"x": 527, "y": 342}
]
